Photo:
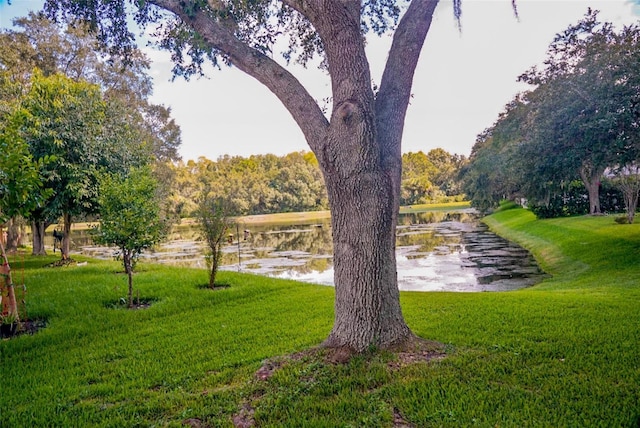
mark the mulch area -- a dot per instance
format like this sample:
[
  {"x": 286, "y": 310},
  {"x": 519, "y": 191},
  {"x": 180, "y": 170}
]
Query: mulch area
[{"x": 28, "y": 327}]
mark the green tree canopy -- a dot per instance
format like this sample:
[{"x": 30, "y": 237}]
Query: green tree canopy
[
  {"x": 584, "y": 104},
  {"x": 129, "y": 131},
  {"x": 130, "y": 216},
  {"x": 581, "y": 117}
]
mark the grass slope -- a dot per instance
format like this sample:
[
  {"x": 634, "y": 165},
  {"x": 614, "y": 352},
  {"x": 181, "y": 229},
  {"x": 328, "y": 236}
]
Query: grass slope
[{"x": 563, "y": 353}]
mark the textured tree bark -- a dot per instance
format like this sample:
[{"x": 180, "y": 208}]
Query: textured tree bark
[
  {"x": 362, "y": 165},
  {"x": 37, "y": 239},
  {"x": 14, "y": 235},
  {"x": 367, "y": 306},
  {"x": 591, "y": 178}
]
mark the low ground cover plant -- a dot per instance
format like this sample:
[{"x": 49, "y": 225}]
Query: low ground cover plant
[{"x": 562, "y": 353}]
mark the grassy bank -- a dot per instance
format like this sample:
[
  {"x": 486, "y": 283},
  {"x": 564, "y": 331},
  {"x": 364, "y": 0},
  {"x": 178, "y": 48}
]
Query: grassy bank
[{"x": 563, "y": 353}]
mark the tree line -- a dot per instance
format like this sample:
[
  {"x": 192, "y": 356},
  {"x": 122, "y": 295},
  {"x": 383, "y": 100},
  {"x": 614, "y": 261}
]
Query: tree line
[
  {"x": 266, "y": 184},
  {"x": 571, "y": 144}
]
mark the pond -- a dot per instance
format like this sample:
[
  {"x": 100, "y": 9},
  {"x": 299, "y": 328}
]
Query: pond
[{"x": 436, "y": 251}]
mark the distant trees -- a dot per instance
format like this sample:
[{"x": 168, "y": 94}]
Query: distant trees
[
  {"x": 582, "y": 117},
  {"x": 431, "y": 177},
  {"x": 493, "y": 172},
  {"x": 263, "y": 184},
  {"x": 260, "y": 184}
]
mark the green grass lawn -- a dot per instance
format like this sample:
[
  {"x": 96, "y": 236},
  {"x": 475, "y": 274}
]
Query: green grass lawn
[{"x": 563, "y": 353}]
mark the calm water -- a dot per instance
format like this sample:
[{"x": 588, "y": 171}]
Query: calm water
[{"x": 436, "y": 251}]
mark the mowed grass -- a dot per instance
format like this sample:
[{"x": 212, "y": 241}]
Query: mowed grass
[{"x": 563, "y": 353}]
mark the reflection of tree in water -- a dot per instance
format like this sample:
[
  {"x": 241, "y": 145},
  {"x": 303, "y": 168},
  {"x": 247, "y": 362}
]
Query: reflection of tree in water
[
  {"x": 425, "y": 239},
  {"x": 263, "y": 241},
  {"x": 436, "y": 217},
  {"x": 417, "y": 230},
  {"x": 319, "y": 264},
  {"x": 267, "y": 245},
  {"x": 312, "y": 239}
]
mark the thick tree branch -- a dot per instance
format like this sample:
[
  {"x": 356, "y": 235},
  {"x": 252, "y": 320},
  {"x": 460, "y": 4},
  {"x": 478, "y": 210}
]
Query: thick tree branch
[
  {"x": 395, "y": 88},
  {"x": 338, "y": 24},
  {"x": 277, "y": 79},
  {"x": 351, "y": 146}
]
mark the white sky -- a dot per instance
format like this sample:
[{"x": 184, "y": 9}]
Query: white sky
[{"x": 462, "y": 82}]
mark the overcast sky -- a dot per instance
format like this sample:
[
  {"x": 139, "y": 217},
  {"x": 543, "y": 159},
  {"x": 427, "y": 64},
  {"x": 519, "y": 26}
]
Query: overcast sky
[{"x": 463, "y": 80}]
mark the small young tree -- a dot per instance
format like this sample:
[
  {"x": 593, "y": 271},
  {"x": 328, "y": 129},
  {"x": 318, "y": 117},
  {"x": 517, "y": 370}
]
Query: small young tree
[
  {"x": 130, "y": 217},
  {"x": 214, "y": 221}
]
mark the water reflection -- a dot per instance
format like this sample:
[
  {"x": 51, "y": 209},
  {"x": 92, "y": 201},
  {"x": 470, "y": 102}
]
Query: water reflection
[{"x": 436, "y": 251}]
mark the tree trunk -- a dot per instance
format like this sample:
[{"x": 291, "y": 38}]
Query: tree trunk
[
  {"x": 15, "y": 232},
  {"x": 359, "y": 150},
  {"x": 37, "y": 231},
  {"x": 66, "y": 236},
  {"x": 632, "y": 205},
  {"x": 9, "y": 302},
  {"x": 630, "y": 194},
  {"x": 128, "y": 268},
  {"x": 591, "y": 178},
  {"x": 629, "y": 184},
  {"x": 367, "y": 306},
  {"x": 593, "y": 187},
  {"x": 216, "y": 255}
]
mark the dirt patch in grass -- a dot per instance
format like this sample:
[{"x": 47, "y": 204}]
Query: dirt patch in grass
[
  {"x": 399, "y": 421},
  {"x": 416, "y": 350},
  {"x": 413, "y": 350},
  {"x": 193, "y": 423},
  {"x": 244, "y": 418}
]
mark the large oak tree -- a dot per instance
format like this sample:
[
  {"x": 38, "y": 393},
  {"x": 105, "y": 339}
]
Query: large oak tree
[{"x": 358, "y": 146}]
